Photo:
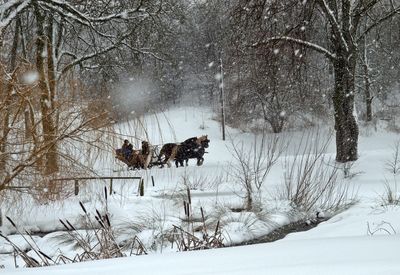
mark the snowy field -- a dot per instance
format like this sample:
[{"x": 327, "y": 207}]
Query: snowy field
[{"x": 360, "y": 237}]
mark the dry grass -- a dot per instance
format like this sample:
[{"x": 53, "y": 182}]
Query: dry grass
[
  {"x": 310, "y": 181},
  {"x": 98, "y": 242},
  {"x": 392, "y": 165},
  {"x": 252, "y": 165},
  {"x": 391, "y": 195}
]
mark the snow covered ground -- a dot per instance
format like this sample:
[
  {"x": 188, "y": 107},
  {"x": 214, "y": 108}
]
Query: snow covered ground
[
  {"x": 362, "y": 239},
  {"x": 359, "y": 255}
]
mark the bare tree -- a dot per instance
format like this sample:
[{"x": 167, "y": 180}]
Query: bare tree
[
  {"x": 67, "y": 35},
  {"x": 343, "y": 34},
  {"x": 253, "y": 163},
  {"x": 43, "y": 108}
]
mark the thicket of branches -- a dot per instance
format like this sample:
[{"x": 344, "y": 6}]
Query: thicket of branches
[
  {"x": 293, "y": 63},
  {"x": 59, "y": 63},
  {"x": 286, "y": 63}
]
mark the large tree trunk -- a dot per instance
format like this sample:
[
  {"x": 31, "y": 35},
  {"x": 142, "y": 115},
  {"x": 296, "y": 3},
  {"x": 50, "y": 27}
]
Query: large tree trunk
[
  {"x": 368, "y": 96},
  {"x": 51, "y": 76},
  {"x": 344, "y": 65},
  {"x": 367, "y": 89},
  {"x": 345, "y": 122},
  {"x": 7, "y": 101},
  {"x": 49, "y": 129}
]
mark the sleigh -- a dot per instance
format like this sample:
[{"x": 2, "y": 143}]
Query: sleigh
[
  {"x": 137, "y": 160},
  {"x": 193, "y": 148}
]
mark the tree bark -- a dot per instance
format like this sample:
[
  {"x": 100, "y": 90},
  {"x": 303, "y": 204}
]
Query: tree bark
[
  {"x": 368, "y": 96},
  {"x": 48, "y": 127},
  {"x": 50, "y": 62},
  {"x": 345, "y": 122},
  {"x": 345, "y": 49},
  {"x": 367, "y": 88},
  {"x": 7, "y": 102}
]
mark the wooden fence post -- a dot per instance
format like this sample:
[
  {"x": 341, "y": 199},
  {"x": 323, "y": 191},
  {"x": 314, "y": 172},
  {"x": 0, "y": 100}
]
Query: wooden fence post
[
  {"x": 111, "y": 186},
  {"x": 76, "y": 187},
  {"x": 141, "y": 188}
]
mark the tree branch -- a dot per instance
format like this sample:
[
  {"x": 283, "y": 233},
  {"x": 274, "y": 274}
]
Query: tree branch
[
  {"x": 94, "y": 54},
  {"x": 333, "y": 22},
  {"x": 10, "y": 10},
  {"x": 360, "y": 10},
  {"x": 306, "y": 44},
  {"x": 378, "y": 22},
  {"x": 71, "y": 12},
  {"x": 144, "y": 52}
]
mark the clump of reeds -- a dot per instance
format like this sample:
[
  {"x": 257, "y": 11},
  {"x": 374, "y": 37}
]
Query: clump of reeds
[
  {"x": 104, "y": 245},
  {"x": 195, "y": 237}
]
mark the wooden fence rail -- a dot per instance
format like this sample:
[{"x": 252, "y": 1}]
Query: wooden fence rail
[
  {"x": 77, "y": 179},
  {"x": 76, "y": 184}
]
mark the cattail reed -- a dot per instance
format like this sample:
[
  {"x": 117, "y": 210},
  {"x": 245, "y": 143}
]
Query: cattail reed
[
  {"x": 83, "y": 207},
  {"x": 189, "y": 195},
  {"x": 185, "y": 208},
  {"x": 45, "y": 255},
  {"x": 72, "y": 227},
  {"x": 99, "y": 221},
  {"x": 63, "y": 223},
  {"x": 11, "y": 221},
  {"x": 108, "y": 220}
]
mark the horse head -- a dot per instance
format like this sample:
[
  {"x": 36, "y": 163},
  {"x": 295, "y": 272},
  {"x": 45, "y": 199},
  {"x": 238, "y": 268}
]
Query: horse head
[{"x": 203, "y": 140}]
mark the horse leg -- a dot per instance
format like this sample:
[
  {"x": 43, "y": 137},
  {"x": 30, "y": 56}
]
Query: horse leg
[
  {"x": 168, "y": 162},
  {"x": 200, "y": 161},
  {"x": 165, "y": 161},
  {"x": 161, "y": 163},
  {"x": 172, "y": 156},
  {"x": 187, "y": 162}
]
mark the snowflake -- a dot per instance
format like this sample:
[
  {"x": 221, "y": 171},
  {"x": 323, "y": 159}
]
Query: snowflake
[{"x": 30, "y": 77}]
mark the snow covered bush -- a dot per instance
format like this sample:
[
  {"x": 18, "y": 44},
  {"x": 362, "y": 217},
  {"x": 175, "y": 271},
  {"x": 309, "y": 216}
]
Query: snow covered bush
[
  {"x": 252, "y": 164},
  {"x": 391, "y": 194},
  {"x": 311, "y": 177},
  {"x": 393, "y": 164}
]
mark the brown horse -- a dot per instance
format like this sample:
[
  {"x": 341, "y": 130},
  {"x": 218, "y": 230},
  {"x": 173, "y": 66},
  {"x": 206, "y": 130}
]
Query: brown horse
[
  {"x": 169, "y": 151},
  {"x": 183, "y": 151}
]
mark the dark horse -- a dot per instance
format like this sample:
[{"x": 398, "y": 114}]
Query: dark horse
[{"x": 190, "y": 148}]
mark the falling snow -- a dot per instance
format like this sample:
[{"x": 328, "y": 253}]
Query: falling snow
[{"x": 30, "y": 77}]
